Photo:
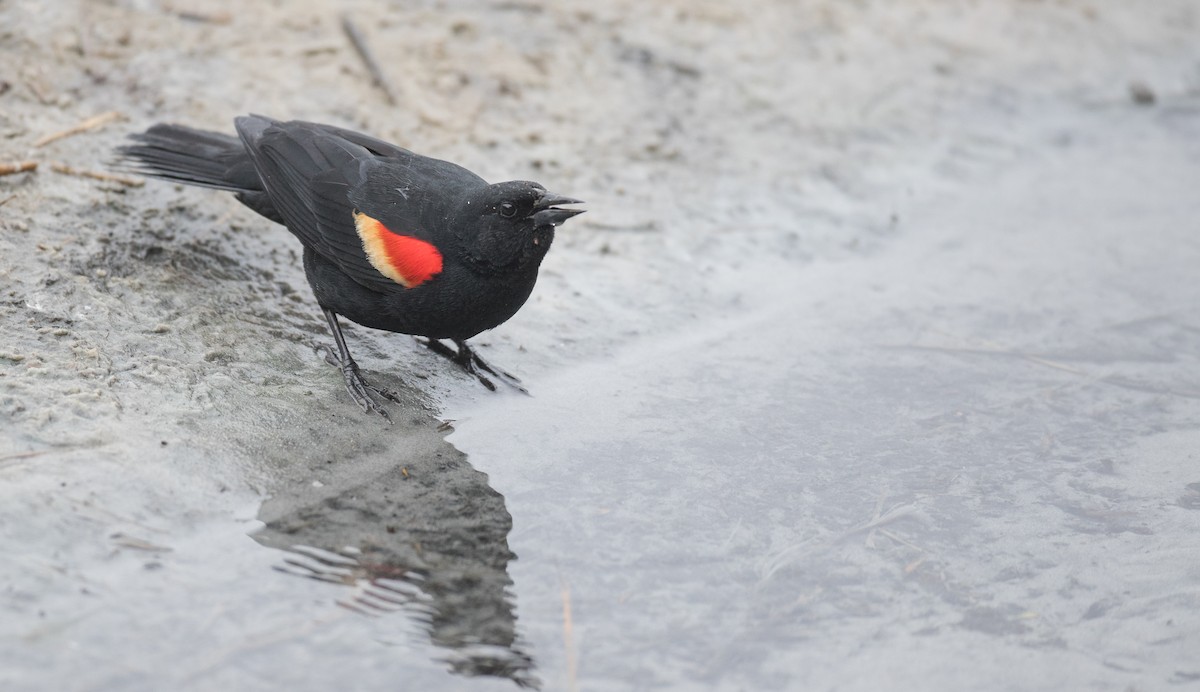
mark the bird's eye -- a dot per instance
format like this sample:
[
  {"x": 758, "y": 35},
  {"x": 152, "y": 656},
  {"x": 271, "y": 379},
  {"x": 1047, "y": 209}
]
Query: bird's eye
[{"x": 508, "y": 210}]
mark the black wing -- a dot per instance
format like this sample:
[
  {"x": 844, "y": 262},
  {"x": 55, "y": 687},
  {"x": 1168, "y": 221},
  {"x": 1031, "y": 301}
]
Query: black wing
[{"x": 317, "y": 176}]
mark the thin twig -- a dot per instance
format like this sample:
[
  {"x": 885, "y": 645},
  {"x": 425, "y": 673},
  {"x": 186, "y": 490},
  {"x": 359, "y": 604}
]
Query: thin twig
[
  {"x": 569, "y": 638},
  {"x": 18, "y": 167},
  {"x": 1126, "y": 383},
  {"x": 360, "y": 47},
  {"x": 991, "y": 352},
  {"x": 134, "y": 543},
  {"x": 896, "y": 512},
  {"x": 24, "y": 455},
  {"x": 898, "y": 539},
  {"x": 192, "y": 15},
  {"x": 97, "y": 175},
  {"x": 1115, "y": 380},
  {"x": 89, "y": 124}
]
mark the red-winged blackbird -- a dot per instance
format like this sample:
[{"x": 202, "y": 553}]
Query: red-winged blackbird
[{"x": 392, "y": 240}]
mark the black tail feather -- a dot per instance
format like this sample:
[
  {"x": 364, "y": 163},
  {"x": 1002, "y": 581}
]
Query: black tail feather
[{"x": 193, "y": 157}]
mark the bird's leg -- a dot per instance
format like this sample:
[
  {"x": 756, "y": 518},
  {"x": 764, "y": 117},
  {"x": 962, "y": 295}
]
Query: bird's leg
[
  {"x": 358, "y": 387},
  {"x": 469, "y": 360}
]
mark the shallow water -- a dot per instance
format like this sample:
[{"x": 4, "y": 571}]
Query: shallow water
[{"x": 968, "y": 461}]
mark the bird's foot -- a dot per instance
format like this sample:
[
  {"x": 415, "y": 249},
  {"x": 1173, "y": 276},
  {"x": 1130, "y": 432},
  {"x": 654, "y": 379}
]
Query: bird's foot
[
  {"x": 469, "y": 360},
  {"x": 357, "y": 385}
]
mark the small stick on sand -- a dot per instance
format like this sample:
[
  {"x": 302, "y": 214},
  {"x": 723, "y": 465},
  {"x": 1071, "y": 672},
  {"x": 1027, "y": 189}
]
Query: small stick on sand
[
  {"x": 25, "y": 455},
  {"x": 191, "y": 15},
  {"x": 569, "y": 637},
  {"x": 89, "y": 124},
  {"x": 97, "y": 175},
  {"x": 360, "y": 46},
  {"x": 18, "y": 167}
]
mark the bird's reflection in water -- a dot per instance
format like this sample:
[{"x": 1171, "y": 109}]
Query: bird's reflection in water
[{"x": 428, "y": 538}]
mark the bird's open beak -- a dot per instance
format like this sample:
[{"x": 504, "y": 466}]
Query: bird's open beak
[{"x": 547, "y": 213}]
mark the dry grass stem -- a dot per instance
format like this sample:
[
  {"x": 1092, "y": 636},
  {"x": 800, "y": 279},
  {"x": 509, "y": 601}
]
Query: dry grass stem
[
  {"x": 17, "y": 167},
  {"x": 193, "y": 15},
  {"x": 90, "y": 124},
  {"x": 569, "y": 640},
  {"x": 97, "y": 175},
  {"x": 364, "y": 52}
]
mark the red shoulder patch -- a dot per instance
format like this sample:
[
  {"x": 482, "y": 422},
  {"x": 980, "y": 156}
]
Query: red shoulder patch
[{"x": 408, "y": 261}]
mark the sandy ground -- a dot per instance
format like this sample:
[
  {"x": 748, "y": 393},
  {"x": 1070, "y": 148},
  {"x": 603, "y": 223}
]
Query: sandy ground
[{"x": 158, "y": 381}]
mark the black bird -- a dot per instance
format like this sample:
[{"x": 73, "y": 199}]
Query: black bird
[{"x": 392, "y": 240}]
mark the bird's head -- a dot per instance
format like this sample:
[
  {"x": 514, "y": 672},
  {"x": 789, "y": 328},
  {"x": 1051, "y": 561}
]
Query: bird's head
[{"x": 510, "y": 226}]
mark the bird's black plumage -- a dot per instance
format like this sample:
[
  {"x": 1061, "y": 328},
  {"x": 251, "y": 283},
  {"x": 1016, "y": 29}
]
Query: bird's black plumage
[{"x": 392, "y": 240}]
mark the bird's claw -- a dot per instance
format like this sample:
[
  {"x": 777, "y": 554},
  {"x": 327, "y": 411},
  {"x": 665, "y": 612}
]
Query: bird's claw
[
  {"x": 469, "y": 360},
  {"x": 358, "y": 387},
  {"x": 473, "y": 364}
]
